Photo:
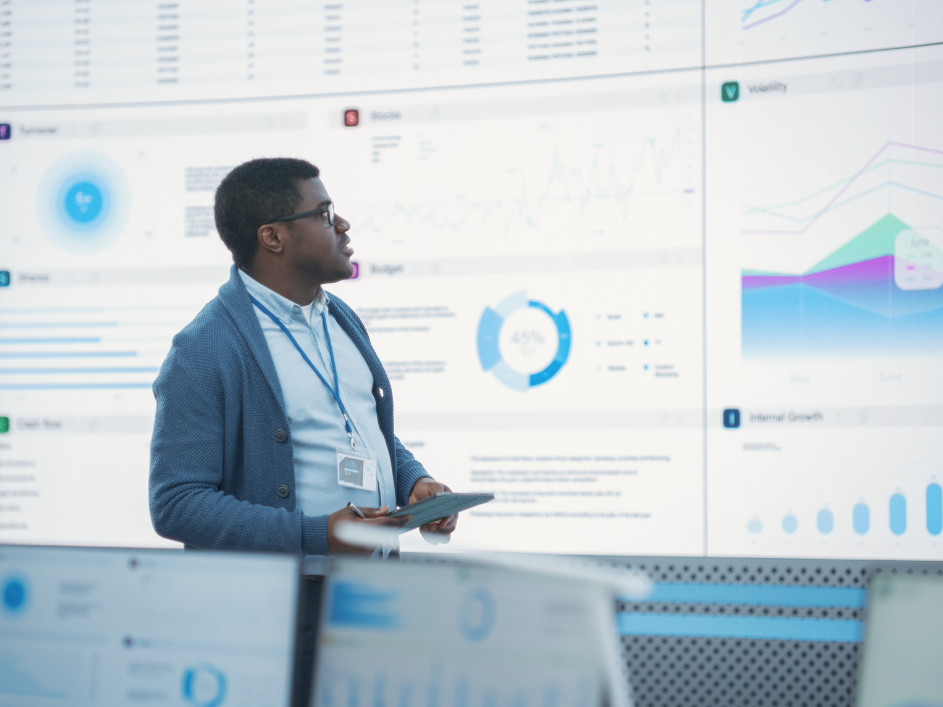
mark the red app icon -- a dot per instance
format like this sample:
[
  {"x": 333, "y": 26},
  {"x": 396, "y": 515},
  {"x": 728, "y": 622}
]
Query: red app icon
[{"x": 351, "y": 117}]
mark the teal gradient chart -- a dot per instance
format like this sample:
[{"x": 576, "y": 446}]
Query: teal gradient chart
[
  {"x": 489, "y": 342},
  {"x": 878, "y": 294}
]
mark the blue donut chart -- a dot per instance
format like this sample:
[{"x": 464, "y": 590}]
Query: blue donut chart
[
  {"x": 489, "y": 352},
  {"x": 477, "y": 614},
  {"x": 14, "y": 594},
  {"x": 208, "y": 673}
]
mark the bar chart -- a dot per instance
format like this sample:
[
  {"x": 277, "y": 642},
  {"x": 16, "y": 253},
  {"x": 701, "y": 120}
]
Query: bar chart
[
  {"x": 901, "y": 517},
  {"x": 85, "y": 348}
]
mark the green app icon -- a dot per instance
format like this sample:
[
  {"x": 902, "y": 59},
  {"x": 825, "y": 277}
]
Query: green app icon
[
  {"x": 4, "y": 424},
  {"x": 730, "y": 91}
]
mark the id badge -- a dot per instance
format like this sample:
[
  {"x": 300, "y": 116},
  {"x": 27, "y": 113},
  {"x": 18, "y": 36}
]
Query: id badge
[{"x": 356, "y": 469}]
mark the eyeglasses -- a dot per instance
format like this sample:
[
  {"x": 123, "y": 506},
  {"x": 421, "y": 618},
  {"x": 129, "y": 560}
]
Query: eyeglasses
[{"x": 329, "y": 210}]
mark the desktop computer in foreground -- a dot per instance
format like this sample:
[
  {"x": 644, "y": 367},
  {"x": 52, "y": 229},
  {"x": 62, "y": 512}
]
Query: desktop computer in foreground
[
  {"x": 465, "y": 635},
  {"x": 93, "y": 626}
]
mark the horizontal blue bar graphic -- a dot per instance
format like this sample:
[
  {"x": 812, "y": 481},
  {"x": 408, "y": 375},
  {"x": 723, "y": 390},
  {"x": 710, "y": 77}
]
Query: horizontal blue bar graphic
[
  {"x": 67, "y": 354},
  {"x": 70, "y": 386},
  {"x": 757, "y": 594},
  {"x": 58, "y": 310},
  {"x": 57, "y": 340},
  {"x": 55, "y": 325},
  {"x": 33, "y": 371},
  {"x": 748, "y": 627}
]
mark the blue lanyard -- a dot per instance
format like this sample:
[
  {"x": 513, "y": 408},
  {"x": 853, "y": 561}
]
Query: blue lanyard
[{"x": 335, "y": 390}]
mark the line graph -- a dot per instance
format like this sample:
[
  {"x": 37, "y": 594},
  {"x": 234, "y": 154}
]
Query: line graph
[
  {"x": 843, "y": 192},
  {"x": 574, "y": 185},
  {"x": 763, "y": 30},
  {"x": 602, "y": 186},
  {"x": 877, "y": 293},
  {"x": 762, "y": 4},
  {"x": 778, "y": 11}
]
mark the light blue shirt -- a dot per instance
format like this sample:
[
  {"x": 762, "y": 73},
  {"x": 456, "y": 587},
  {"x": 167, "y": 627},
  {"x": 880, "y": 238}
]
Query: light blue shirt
[{"x": 315, "y": 420}]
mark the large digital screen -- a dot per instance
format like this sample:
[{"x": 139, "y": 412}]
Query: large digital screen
[{"x": 666, "y": 277}]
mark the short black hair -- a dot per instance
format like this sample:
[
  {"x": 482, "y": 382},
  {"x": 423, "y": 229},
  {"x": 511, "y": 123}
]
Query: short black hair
[{"x": 253, "y": 194}]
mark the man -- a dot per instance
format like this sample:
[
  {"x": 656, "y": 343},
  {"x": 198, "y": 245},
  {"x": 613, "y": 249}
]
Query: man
[{"x": 273, "y": 410}]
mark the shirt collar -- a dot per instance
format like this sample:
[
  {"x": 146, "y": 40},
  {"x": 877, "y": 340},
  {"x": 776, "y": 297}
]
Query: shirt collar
[
  {"x": 282, "y": 307},
  {"x": 321, "y": 300}
]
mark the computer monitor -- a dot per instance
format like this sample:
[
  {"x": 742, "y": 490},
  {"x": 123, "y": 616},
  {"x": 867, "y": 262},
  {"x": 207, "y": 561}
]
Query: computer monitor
[
  {"x": 412, "y": 634},
  {"x": 902, "y": 665},
  {"x": 84, "y": 626}
]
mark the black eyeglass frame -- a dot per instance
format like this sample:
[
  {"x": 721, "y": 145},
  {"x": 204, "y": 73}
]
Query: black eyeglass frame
[{"x": 329, "y": 210}]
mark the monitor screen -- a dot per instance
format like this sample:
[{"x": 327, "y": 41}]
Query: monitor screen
[
  {"x": 413, "y": 633},
  {"x": 903, "y": 644},
  {"x": 84, "y": 626}
]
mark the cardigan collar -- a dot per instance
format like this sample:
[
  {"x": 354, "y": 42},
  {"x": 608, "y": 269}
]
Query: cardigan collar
[{"x": 235, "y": 298}]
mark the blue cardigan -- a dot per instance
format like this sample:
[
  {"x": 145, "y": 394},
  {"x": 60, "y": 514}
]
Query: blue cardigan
[{"x": 222, "y": 470}]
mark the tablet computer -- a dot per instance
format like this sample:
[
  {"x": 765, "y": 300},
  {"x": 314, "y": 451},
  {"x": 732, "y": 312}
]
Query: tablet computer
[{"x": 442, "y": 505}]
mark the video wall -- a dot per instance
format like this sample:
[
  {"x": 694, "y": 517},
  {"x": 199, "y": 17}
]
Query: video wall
[{"x": 665, "y": 276}]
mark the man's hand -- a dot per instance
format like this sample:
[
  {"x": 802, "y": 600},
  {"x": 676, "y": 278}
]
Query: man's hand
[
  {"x": 439, "y": 531},
  {"x": 345, "y": 515}
]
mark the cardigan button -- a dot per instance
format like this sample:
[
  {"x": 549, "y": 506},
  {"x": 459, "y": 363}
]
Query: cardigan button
[
  {"x": 283, "y": 491},
  {"x": 280, "y": 436}
]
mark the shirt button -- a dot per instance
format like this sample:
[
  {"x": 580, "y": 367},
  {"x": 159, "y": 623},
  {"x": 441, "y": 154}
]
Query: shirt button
[
  {"x": 283, "y": 491},
  {"x": 280, "y": 436}
]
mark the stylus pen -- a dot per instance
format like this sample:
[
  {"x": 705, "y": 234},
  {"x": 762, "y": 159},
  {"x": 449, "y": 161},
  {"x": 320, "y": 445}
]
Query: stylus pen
[{"x": 356, "y": 510}]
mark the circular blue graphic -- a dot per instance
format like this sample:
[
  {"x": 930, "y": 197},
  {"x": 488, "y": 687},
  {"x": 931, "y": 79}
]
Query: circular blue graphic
[
  {"x": 489, "y": 352},
  {"x": 203, "y": 686},
  {"x": 82, "y": 202},
  {"x": 790, "y": 524},
  {"x": 477, "y": 614},
  {"x": 15, "y": 594}
]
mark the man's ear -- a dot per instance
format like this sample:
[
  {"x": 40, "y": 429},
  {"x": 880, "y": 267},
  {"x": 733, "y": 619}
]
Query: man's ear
[{"x": 272, "y": 237}]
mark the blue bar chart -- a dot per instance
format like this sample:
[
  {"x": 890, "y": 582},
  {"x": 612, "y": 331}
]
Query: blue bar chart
[
  {"x": 934, "y": 509},
  {"x": 85, "y": 348},
  {"x": 898, "y": 514},
  {"x": 828, "y": 520},
  {"x": 861, "y": 518}
]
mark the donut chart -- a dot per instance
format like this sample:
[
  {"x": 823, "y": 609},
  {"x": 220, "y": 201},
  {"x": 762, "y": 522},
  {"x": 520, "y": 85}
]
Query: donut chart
[
  {"x": 489, "y": 350},
  {"x": 14, "y": 595},
  {"x": 203, "y": 686}
]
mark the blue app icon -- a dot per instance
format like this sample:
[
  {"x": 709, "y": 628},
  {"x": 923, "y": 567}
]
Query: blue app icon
[
  {"x": 4, "y": 278},
  {"x": 732, "y": 418},
  {"x": 83, "y": 202}
]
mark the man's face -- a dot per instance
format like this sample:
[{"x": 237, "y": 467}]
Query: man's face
[{"x": 320, "y": 250}]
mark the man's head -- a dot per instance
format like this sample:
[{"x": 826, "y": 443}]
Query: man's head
[
  {"x": 253, "y": 194},
  {"x": 251, "y": 199}
]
